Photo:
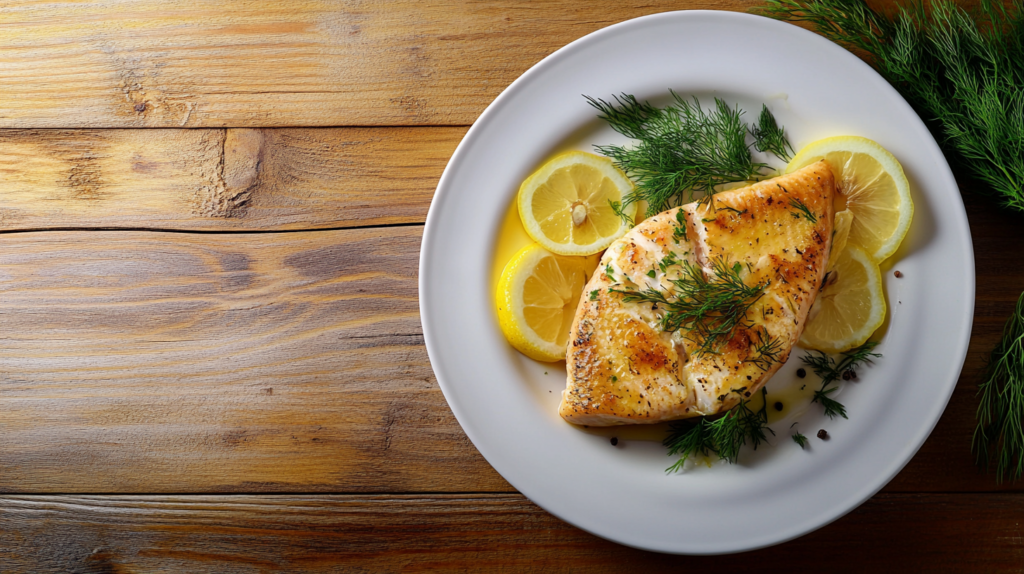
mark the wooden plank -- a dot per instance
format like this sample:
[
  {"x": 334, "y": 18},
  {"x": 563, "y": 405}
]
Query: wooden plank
[
  {"x": 481, "y": 533},
  {"x": 220, "y": 180},
  {"x": 221, "y": 63},
  {"x": 154, "y": 362},
  {"x": 172, "y": 412}
]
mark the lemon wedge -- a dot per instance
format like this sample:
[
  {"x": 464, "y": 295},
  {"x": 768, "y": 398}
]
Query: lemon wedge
[
  {"x": 850, "y": 307},
  {"x": 566, "y": 206},
  {"x": 874, "y": 187},
  {"x": 537, "y": 297}
]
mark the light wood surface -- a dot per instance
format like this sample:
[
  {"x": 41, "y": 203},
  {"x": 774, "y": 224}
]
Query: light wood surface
[
  {"x": 470, "y": 533},
  {"x": 225, "y": 63},
  {"x": 217, "y": 179},
  {"x": 157, "y": 362},
  {"x": 211, "y": 358}
]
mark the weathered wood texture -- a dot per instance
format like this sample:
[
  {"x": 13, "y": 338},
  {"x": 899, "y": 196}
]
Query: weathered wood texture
[
  {"x": 220, "y": 180},
  {"x": 481, "y": 533},
  {"x": 156, "y": 362},
  {"x": 222, "y": 63}
]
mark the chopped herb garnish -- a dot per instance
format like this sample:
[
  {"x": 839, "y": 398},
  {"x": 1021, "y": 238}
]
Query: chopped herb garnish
[
  {"x": 609, "y": 272},
  {"x": 722, "y": 436},
  {"x": 800, "y": 440},
  {"x": 594, "y": 294},
  {"x": 802, "y": 210},
  {"x": 826, "y": 367},
  {"x": 766, "y": 349},
  {"x": 652, "y": 274},
  {"x": 709, "y": 311},
  {"x": 680, "y": 229}
]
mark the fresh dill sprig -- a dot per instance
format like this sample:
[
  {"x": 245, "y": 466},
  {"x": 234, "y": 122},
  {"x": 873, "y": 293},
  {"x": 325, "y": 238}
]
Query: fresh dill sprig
[
  {"x": 770, "y": 137},
  {"x": 802, "y": 210},
  {"x": 766, "y": 349},
  {"x": 708, "y": 309},
  {"x": 962, "y": 70},
  {"x": 680, "y": 150},
  {"x": 800, "y": 439},
  {"x": 617, "y": 210},
  {"x": 832, "y": 407},
  {"x": 723, "y": 436},
  {"x": 826, "y": 367},
  {"x": 999, "y": 436}
]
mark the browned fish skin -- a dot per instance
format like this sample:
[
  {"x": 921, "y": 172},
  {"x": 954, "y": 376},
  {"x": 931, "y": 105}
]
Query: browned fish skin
[{"x": 623, "y": 369}]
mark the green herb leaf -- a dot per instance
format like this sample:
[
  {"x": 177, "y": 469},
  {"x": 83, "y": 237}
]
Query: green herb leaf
[
  {"x": 723, "y": 436},
  {"x": 802, "y": 210},
  {"x": 800, "y": 440},
  {"x": 999, "y": 435},
  {"x": 830, "y": 371},
  {"x": 708, "y": 310},
  {"x": 768, "y": 136},
  {"x": 594, "y": 294},
  {"x": 680, "y": 150}
]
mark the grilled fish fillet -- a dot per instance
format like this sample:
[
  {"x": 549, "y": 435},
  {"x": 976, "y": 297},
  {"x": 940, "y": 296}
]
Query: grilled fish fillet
[{"x": 624, "y": 369}]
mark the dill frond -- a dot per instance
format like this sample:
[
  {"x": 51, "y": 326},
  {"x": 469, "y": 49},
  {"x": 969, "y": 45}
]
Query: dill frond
[
  {"x": 770, "y": 137},
  {"x": 680, "y": 150},
  {"x": 962, "y": 70},
  {"x": 723, "y": 436},
  {"x": 830, "y": 371},
  {"x": 999, "y": 435},
  {"x": 800, "y": 439},
  {"x": 802, "y": 210},
  {"x": 708, "y": 309}
]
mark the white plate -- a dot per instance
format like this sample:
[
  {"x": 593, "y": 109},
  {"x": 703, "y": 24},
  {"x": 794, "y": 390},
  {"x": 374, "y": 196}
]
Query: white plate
[{"x": 507, "y": 404}]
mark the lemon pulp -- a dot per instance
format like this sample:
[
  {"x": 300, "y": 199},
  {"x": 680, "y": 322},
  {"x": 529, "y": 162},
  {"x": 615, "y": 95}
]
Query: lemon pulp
[
  {"x": 537, "y": 296},
  {"x": 850, "y": 307},
  {"x": 566, "y": 205},
  {"x": 873, "y": 186}
]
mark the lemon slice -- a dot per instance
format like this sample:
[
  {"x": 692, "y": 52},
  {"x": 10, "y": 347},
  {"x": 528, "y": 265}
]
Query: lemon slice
[
  {"x": 566, "y": 204},
  {"x": 874, "y": 187},
  {"x": 840, "y": 236},
  {"x": 850, "y": 307},
  {"x": 537, "y": 297}
]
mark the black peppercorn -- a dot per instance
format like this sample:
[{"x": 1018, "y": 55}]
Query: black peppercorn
[
  {"x": 849, "y": 375},
  {"x": 801, "y": 372},
  {"x": 778, "y": 406},
  {"x": 898, "y": 274},
  {"x": 615, "y": 440},
  {"x": 822, "y": 434}
]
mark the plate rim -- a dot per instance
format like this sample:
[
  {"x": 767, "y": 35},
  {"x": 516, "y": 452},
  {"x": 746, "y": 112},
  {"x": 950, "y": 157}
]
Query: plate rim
[{"x": 443, "y": 190}]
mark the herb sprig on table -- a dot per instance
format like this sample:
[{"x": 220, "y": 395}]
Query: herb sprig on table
[
  {"x": 963, "y": 71},
  {"x": 1000, "y": 431},
  {"x": 682, "y": 150}
]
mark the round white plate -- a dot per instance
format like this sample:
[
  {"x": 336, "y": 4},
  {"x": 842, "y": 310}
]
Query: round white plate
[{"x": 507, "y": 403}]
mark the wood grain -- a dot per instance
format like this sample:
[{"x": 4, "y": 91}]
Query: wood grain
[
  {"x": 220, "y": 180},
  {"x": 224, "y": 63},
  {"x": 479, "y": 533},
  {"x": 160, "y": 362},
  {"x": 155, "y": 362}
]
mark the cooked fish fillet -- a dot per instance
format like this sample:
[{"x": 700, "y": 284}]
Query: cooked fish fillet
[{"x": 624, "y": 369}]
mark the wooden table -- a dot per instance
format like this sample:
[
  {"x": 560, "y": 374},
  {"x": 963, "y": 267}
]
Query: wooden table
[{"x": 211, "y": 358}]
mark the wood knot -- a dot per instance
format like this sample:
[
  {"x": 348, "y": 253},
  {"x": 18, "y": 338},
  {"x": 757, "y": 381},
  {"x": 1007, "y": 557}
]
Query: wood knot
[{"x": 140, "y": 107}]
